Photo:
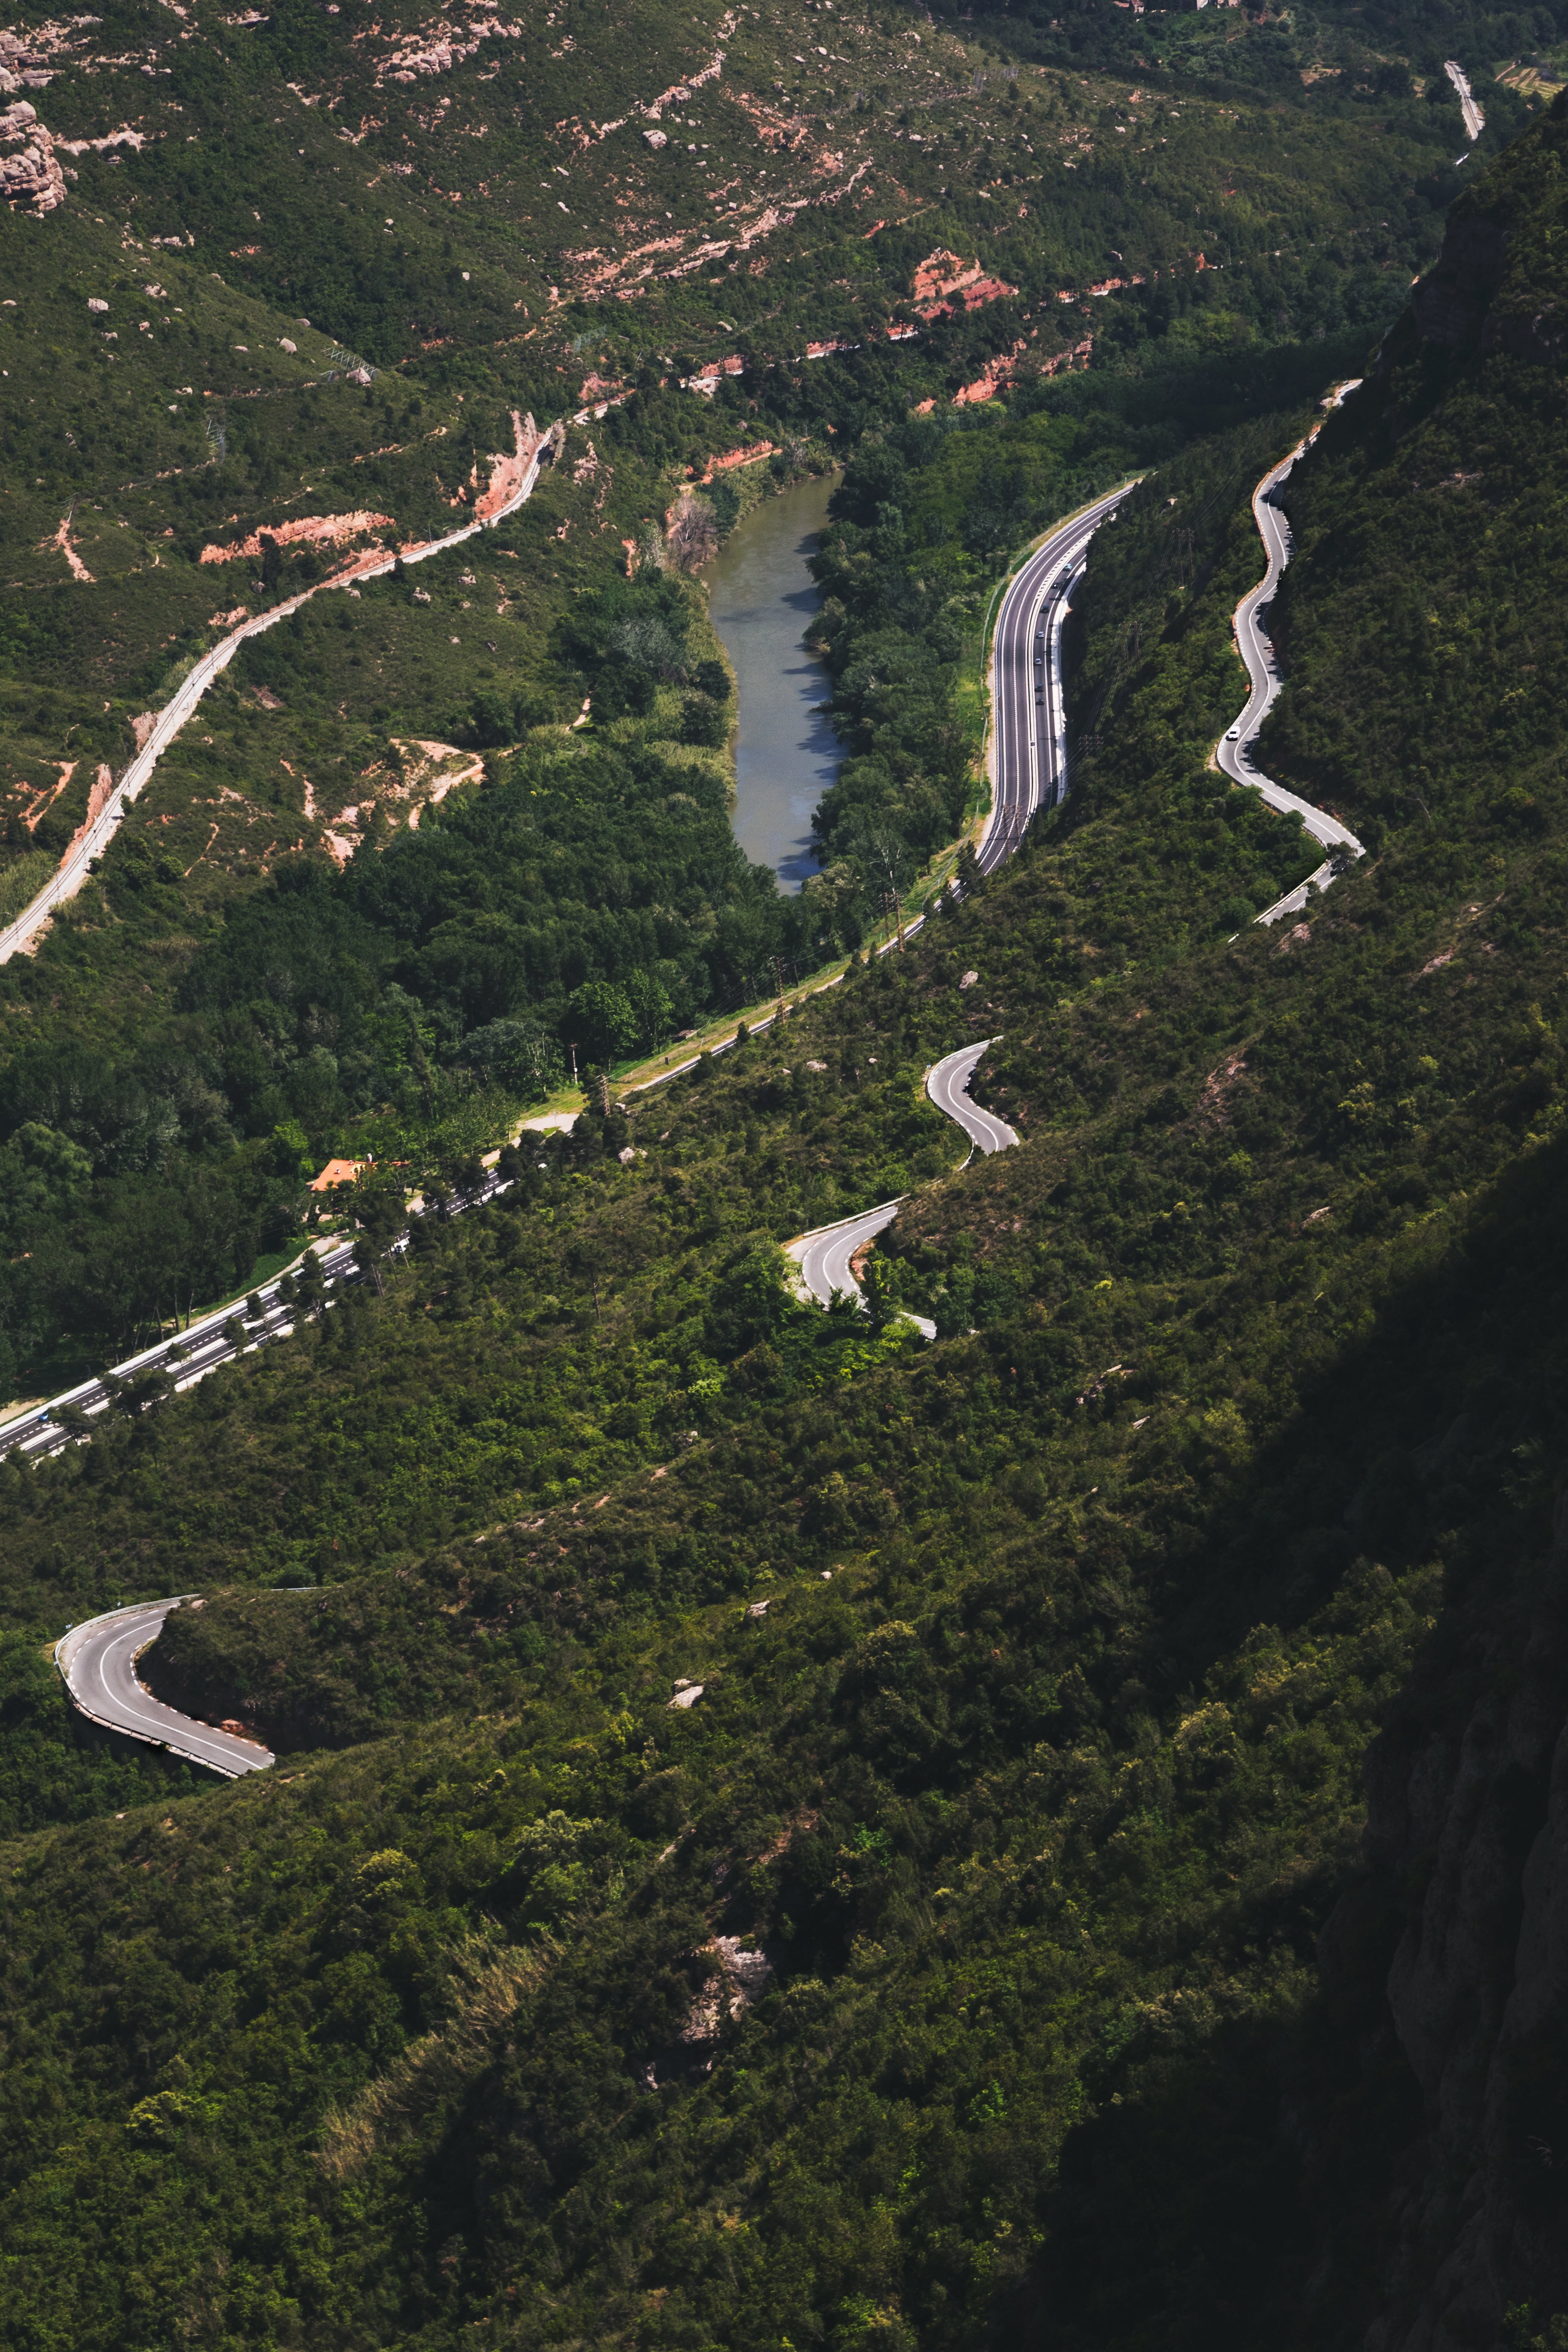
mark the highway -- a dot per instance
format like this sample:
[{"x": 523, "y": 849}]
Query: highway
[
  {"x": 97, "y": 1660},
  {"x": 1234, "y": 751},
  {"x": 188, "y": 1356},
  {"x": 91, "y": 845},
  {"x": 824, "y": 1256},
  {"x": 1028, "y": 761},
  {"x": 1475, "y": 121}
]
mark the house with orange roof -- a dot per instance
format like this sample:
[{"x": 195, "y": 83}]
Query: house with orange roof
[{"x": 336, "y": 1172}]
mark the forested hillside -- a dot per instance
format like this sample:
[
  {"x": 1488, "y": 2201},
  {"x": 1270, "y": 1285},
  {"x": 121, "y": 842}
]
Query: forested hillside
[
  {"x": 284, "y": 287},
  {"x": 1000, "y": 1947}
]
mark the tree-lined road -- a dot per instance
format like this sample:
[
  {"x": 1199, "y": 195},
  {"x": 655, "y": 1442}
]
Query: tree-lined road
[{"x": 187, "y": 1357}]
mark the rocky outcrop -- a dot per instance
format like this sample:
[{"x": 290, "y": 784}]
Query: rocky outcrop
[
  {"x": 30, "y": 177},
  {"x": 1467, "y": 1794}
]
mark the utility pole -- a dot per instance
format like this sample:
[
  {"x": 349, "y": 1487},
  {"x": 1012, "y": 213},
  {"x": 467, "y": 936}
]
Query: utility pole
[
  {"x": 573, "y": 1051},
  {"x": 778, "y": 980}
]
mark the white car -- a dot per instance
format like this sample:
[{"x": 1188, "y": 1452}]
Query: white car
[{"x": 1234, "y": 736}]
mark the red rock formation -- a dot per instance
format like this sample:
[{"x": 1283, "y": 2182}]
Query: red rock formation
[
  {"x": 941, "y": 275},
  {"x": 312, "y": 529}
]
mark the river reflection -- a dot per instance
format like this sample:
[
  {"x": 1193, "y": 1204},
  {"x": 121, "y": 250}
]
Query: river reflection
[{"x": 762, "y": 599}]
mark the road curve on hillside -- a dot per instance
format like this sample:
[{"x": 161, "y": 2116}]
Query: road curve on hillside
[
  {"x": 824, "y": 1256},
  {"x": 97, "y": 1661},
  {"x": 94, "y": 840},
  {"x": 1232, "y": 752},
  {"x": 947, "y": 1084},
  {"x": 1028, "y": 743}
]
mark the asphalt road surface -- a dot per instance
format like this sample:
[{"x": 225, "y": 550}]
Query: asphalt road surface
[
  {"x": 188, "y": 1356},
  {"x": 1475, "y": 121},
  {"x": 97, "y": 1660},
  {"x": 1029, "y": 744},
  {"x": 947, "y": 1082},
  {"x": 1234, "y": 751},
  {"x": 824, "y": 1256}
]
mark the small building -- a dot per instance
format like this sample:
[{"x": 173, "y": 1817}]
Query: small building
[{"x": 336, "y": 1172}]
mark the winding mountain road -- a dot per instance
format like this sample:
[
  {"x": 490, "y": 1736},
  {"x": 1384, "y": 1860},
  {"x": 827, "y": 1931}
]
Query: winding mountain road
[
  {"x": 824, "y": 1258},
  {"x": 1234, "y": 751},
  {"x": 92, "y": 843},
  {"x": 98, "y": 1659}
]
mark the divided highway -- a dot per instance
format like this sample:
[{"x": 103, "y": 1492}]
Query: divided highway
[{"x": 1029, "y": 764}]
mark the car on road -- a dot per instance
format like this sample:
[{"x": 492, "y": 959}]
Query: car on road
[{"x": 1233, "y": 735}]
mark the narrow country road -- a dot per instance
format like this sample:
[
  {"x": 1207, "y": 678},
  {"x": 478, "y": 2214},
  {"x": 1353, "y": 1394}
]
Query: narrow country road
[
  {"x": 97, "y": 1660},
  {"x": 824, "y": 1256},
  {"x": 1234, "y": 751},
  {"x": 83, "y": 853}
]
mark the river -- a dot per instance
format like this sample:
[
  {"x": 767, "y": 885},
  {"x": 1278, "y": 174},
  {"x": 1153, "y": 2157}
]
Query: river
[{"x": 761, "y": 598}]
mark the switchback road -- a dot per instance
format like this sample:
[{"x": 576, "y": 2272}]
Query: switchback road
[
  {"x": 824, "y": 1256},
  {"x": 1234, "y": 751}
]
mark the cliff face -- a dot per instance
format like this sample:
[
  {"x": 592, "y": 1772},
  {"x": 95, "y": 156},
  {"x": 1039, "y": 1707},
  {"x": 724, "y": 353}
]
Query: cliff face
[
  {"x": 1467, "y": 1822},
  {"x": 1500, "y": 283}
]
